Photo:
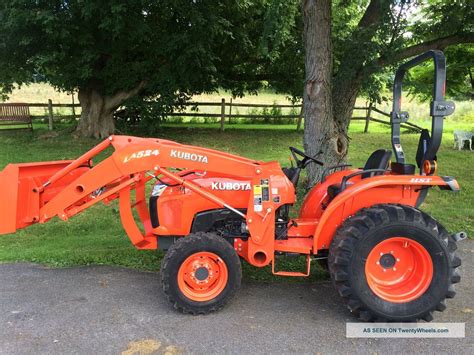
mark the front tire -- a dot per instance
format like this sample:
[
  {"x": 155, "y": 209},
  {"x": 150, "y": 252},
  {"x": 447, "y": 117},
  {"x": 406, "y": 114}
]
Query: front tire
[
  {"x": 393, "y": 263},
  {"x": 200, "y": 273}
]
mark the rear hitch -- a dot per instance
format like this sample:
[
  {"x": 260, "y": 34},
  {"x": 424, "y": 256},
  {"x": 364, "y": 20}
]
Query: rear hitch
[{"x": 459, "y": 236}]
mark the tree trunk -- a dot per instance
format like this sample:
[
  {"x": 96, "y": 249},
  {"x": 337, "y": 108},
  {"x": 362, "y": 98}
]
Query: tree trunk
[
  {"x": 97, "y": 118},
  {"x": 344, "y": 94},
  {"x": 471, "y": 78},
  {"x": 323, "y": 137}
]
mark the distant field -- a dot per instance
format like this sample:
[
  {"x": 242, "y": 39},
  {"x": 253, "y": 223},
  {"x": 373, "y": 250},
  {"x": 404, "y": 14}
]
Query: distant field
[
  {"x": 419, "y": 112},
  {"x": 42, "y": 92}
]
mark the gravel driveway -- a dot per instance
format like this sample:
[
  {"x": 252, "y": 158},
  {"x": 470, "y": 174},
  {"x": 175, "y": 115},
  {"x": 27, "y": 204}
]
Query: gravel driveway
[{"x": 111, "y": 310}]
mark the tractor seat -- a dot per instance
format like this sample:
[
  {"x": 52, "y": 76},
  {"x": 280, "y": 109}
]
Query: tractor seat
[{"x": 377, "y": 160}]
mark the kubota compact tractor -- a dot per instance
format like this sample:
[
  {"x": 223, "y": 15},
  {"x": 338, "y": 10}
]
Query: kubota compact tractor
[{"x": 208, "y": 209}]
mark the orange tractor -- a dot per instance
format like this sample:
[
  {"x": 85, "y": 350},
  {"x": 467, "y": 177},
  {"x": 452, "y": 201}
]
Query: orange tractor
[{"x": 208, "y": 209}]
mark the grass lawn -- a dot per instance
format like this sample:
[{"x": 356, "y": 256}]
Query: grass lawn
[{"x": 96, "y": 236}]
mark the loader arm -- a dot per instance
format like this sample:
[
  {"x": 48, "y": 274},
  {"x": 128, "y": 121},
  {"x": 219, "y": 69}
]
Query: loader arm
[{"x": 66, "y": 188}]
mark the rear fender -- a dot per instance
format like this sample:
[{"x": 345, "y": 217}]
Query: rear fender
[
  {"x": 376, "y": 190},
  {"x": 314, "y": 203}
]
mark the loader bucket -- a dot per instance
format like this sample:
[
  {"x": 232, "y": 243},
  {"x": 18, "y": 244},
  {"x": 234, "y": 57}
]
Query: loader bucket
[{"x": 20, "y": 187}]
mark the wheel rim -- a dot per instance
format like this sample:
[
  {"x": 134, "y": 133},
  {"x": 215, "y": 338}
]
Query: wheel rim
[
  {"x": 399, "y": 270},
  {"x": 202, "y": 276}
]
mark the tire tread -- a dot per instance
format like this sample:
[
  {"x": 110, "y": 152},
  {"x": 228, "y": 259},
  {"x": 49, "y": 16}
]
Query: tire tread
[
  {"x": 348, "y": 234},
  {"x": 180, "y": 247}
]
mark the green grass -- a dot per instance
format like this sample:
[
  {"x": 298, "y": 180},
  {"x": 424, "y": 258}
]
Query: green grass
[{"x": 96, "y": 236}]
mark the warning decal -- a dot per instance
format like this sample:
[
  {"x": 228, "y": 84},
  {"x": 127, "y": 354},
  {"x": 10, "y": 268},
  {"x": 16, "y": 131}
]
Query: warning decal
[{"x": 257, "y": 198}]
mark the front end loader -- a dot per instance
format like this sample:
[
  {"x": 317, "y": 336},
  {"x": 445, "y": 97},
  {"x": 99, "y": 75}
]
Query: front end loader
[{"x": 209, "y": 210}]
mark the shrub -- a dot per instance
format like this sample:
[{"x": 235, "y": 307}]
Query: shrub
[{"x": 211, "y": 119}]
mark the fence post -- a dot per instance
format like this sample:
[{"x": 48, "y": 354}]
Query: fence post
[
  {"x": 300, "y": 118},
  {"x": 50, "y": 111},
  {"x": 222, "y": 114},
  {"x": 230, "y": 110},
  {"x": 367, "y": 118},
  {"x": 73, "y": 108}
]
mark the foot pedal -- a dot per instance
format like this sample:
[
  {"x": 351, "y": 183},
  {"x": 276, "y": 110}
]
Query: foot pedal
[{"x": 293, "y": 273}]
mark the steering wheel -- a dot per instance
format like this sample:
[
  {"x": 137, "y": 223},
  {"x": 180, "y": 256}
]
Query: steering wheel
[{"x": 306, "y": 158}]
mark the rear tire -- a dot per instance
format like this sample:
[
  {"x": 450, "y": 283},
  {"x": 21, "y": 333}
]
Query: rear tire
[
  {"x": 393, "y": 263},
  {"x": 200, "y": 273}
]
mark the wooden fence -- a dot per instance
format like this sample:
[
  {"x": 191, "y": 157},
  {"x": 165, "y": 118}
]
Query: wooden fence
[
  {"x": 50, "y": 116},
  {"x": 370, "y": 109},
  {"x": 224, "y": 108}
]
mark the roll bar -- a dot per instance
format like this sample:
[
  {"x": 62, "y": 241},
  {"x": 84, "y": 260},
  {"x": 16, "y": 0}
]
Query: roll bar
[{"x": 439, "y": 108}]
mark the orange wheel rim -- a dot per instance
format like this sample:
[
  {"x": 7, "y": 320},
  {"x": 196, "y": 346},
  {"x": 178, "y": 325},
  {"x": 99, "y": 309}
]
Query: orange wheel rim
[
  {"x": 399, "y": 270},
  {"x": 202, "y": 276}
]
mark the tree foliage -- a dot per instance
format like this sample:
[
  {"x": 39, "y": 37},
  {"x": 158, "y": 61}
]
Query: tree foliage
[
  {"x": 167, "y": 50},
  {"x": 369, "y": 38},
  {"x": 106, "y": 44},
  {"x": 112, "y": 50},
  {"x": 460, "y": 75}
]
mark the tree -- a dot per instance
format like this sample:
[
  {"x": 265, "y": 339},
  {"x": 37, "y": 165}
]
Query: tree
[
  {"x": 167, "y": 50},
  {"x": 110, "y": 51},
  {"x": 348, "y": 44}
]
